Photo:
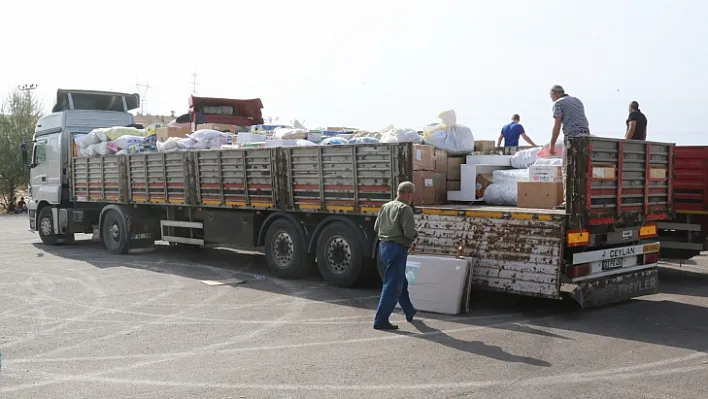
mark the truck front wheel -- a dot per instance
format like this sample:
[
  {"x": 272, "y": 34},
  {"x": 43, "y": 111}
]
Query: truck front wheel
[
  {"x": 340, "y": 255},
  {"x": 286, "y": 252},
  {"x": 45, "y": 226}
]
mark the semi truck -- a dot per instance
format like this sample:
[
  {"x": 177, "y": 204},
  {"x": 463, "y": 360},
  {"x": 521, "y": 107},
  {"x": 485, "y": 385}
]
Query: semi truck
[
  {"x": 307, "y": 206},
  {"x": 686, "y": 235}
]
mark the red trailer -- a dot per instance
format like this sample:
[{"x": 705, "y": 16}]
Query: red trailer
[{"x": 685, "y": 235}]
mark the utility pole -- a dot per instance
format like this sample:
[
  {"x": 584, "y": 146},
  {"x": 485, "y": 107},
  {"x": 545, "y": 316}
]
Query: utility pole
[
  {"x": 194, "y": 83},
  {"x": 143, "y": 95}
]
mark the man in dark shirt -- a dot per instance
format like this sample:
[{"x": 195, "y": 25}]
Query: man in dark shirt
[
  {"x": 511, "y": 132},
  {"x": 636, "y": 123}
]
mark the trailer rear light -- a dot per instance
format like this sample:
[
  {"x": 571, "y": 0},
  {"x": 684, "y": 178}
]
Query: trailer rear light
[
  {"x": 578, "y": 238},
  {"x": 648, "y": 231},
  {"x": 577, "y": 270},
  {"x": 651, "y": 258}
]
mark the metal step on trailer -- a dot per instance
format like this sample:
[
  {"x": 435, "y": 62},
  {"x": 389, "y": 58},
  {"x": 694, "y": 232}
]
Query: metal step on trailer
[{"x": 181, "y": 224}]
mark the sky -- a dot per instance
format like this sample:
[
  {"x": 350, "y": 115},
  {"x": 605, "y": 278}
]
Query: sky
[{"x": 369, "y": 64}]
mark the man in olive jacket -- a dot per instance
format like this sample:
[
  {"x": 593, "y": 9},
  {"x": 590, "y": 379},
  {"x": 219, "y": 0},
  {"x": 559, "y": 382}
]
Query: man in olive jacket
[{"x": 395, "y": 227}]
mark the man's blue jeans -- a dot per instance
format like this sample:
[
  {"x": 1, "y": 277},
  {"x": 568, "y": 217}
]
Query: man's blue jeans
[{"x": 395, "y": 284}]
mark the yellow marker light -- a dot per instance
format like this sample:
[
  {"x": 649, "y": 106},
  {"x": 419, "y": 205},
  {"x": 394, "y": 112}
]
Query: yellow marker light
[
  {"x": 578, "y": 238},
  {"x": 648, "y": 231}
]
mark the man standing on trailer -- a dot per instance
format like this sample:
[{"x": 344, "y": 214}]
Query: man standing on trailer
[
  {"x": 636, "y": 123},
  {"x": 511, "y": 132},
  {"x": 568, "y": 114},
  {"x": 395, "y": 227}
]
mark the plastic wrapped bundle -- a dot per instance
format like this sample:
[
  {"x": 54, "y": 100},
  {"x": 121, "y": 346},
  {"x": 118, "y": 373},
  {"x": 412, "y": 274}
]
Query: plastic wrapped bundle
[
  {"x": 450, "y": 136},
  {"x": 393, "y": 135},
  {"x": 510, "y": 175},
  {"x": 113, "y": 133},
  {"x": 549, "y": 162},
  {"x": 364, "y": 140},
  {"x": 334, "y": 141},
  {"x": 501, "y": 193},
  {"x": 525, "y": 158}
]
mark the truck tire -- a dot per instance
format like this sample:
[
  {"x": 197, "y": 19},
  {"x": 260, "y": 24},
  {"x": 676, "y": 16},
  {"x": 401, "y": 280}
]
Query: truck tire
[
  {"x": 45, "y": 226},
  {"x": 286, "y": 251},
  {"x": 340, "y": 256},
  {"x": 114, "y": 233}
]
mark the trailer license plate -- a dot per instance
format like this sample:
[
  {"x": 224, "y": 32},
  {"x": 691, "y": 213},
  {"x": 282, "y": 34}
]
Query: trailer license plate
[{"x": 612, "y": 263}]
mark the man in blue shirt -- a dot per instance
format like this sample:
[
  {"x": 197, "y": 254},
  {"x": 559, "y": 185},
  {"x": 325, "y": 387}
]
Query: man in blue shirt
[{"x": 511, "y": 132}]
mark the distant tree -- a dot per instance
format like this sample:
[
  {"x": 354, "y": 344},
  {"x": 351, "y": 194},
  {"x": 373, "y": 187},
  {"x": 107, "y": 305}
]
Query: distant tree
[{"x": 19, "y": 114}]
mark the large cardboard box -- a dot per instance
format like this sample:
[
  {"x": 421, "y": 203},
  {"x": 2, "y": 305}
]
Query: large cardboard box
[
  {"x": 546, "y": 173},
  {"x": 217, "y": 126},
  {"x": 424, "y": 181},
  {"x": 423, "y": 157},
  {"x": 163, "y": 133},
  {"x": 454, "y": 185},
  {"x": 440, "y": 161},
  {"x": 483, "y": 181},
  {"x": 453, "y": 167},
  {"x": 440, "y": 187},
  {"x": 484, "y": 145},
  {"x": 540, "y": 195}
]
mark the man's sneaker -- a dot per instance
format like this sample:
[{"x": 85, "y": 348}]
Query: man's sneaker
[{"x": 387, "y": 326}]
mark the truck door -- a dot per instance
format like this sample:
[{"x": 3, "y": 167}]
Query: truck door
[{"x": 45, "y": 177}]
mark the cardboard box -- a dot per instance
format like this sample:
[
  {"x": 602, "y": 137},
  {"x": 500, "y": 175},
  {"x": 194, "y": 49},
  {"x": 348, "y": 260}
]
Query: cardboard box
[
  {"x": 423, "y": 157},
  {"x": 424, "y": 181},
  {"x": 440, "y": 187},
  {"x": 540, "y": 195},
  {"x": 248, "y": 138},
  {"x": 440, "y": 161},
  {"x": 657, "y": 173},
  {"x": 453, "y": 167},
  {"x": 217, "y": 126},
  {"x": 603, "y": 172},
  {"x": 546, "y": 173},
  {"x": 482, "y": 182},
  {"x": 163, "y": 133},
  {"x": 484, "y": 145},
  {"x": 454, "y": 185}
]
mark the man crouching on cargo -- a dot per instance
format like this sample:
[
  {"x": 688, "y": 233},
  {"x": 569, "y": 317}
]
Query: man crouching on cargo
[{"x": 395, "y": 227}]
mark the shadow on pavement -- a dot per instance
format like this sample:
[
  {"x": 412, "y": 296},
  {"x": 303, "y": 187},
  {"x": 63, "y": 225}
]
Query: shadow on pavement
[
  {"x": 474, "y": 347},
  {"x": 666, "y": 322}
]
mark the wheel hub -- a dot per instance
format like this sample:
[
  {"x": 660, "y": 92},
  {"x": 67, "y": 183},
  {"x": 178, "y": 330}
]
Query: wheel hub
[
  {"x": 339, "y": 255},
  {"x": 45, "y": 226},
  {"x": 115, "y": 231},
  {"x": 283, "y": 248}
]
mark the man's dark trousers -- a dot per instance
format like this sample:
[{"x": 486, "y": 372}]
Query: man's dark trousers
[{"x": 395, "y": 284}]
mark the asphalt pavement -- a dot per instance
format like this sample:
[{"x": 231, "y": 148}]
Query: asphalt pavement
[{"x": 76, "y": 322}]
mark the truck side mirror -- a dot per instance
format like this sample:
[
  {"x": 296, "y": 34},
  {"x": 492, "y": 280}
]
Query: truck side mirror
[{"x": 23, "y": 151}]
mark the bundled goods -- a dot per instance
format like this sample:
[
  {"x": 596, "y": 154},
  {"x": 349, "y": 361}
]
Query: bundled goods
[
  {"x": 364, "y": 140},
  {"x": 549, "y": 162},
  {"x": 504, "y": 189},
  {"x": 454, "y": 138},
  {"x": 525, "y": 158},
  {"x": 334, "y": 141},
  {"x": 392, "y": 135},
  {"x": 545, "y": 152},
  {"x": 289, "y": 134}
]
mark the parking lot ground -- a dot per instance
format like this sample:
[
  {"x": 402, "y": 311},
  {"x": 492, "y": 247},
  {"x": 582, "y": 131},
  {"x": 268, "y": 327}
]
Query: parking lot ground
[{"x": 76, "y": 322}]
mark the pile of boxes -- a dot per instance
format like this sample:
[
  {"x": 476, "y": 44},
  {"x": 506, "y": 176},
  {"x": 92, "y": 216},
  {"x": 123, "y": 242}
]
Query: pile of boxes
[
  {"x": 430, "y": 175},
  {"x": 544, "y": 190}
]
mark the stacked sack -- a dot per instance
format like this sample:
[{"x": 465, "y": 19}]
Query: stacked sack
[{"x": 113, "y": 140}]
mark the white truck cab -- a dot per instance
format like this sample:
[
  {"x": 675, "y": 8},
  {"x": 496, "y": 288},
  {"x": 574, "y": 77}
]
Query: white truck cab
[{"x": 76, "y": 112}]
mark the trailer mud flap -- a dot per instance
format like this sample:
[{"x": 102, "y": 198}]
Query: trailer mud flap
[{"x": 615, "y": 289}]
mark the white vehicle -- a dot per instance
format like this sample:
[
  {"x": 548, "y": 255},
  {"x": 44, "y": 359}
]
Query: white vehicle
[{"x": 76, "y": 112}]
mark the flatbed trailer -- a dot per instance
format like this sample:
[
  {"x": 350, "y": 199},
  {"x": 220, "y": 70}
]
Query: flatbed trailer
[
  {"x": 317, "y": 205},
  {"x": 686, "y": 234}
]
